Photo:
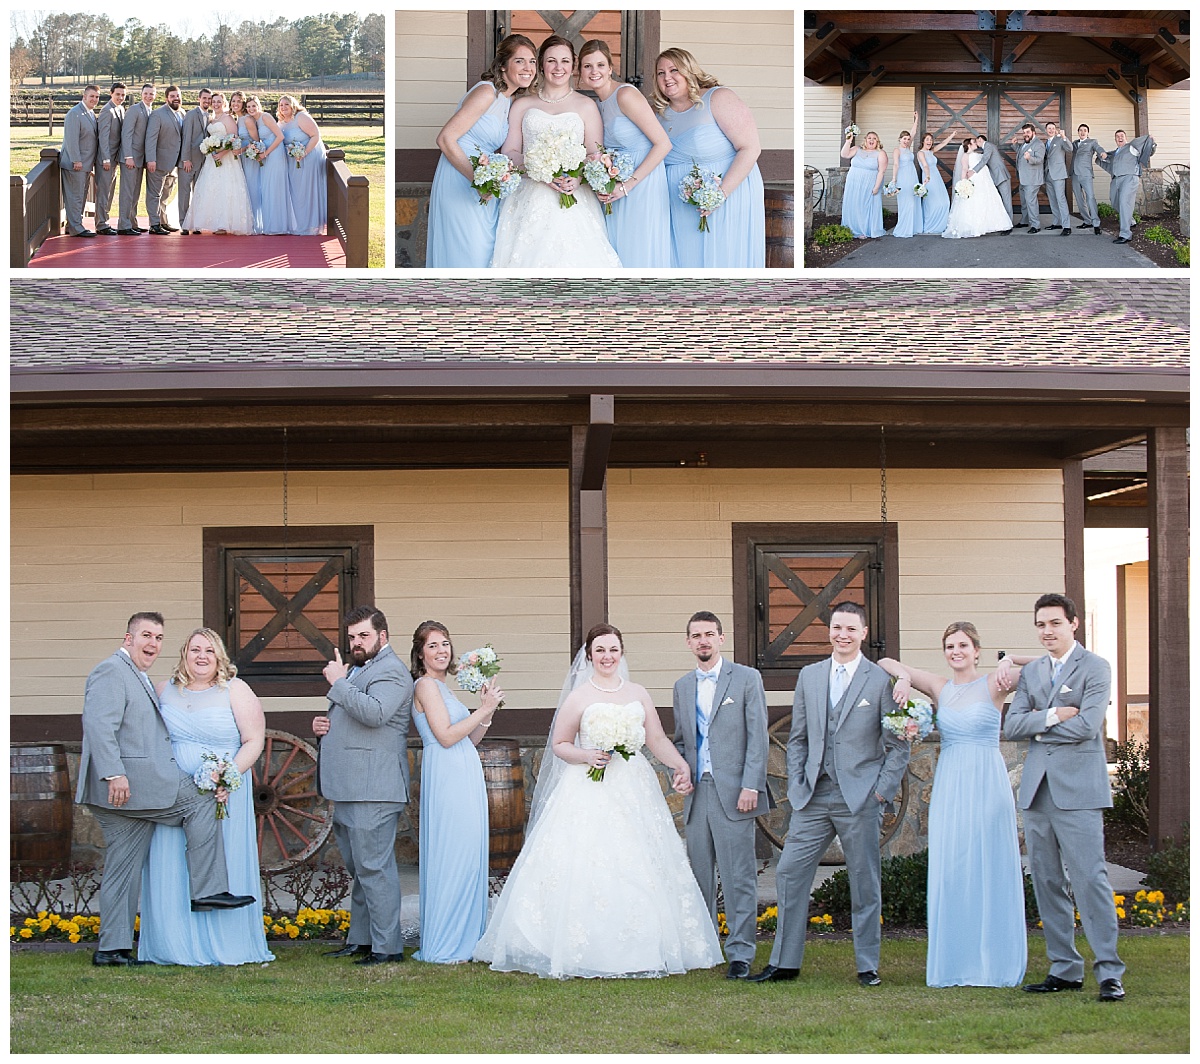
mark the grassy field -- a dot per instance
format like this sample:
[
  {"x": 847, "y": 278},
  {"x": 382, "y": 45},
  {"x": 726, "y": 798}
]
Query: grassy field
[
  {"x": 304, "y": 1002},
  {"x": 363, "y": 146}
]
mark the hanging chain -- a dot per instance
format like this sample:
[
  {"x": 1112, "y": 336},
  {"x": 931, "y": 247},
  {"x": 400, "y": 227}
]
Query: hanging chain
[
  {"x": 286, "y": 581},
  {"x": 883, "y": 478}
]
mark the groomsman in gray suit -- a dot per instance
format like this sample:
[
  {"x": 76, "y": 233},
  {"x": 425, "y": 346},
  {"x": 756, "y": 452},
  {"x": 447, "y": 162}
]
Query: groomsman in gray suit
[
  {"x": 1125, "y": 163},
  {"x": 76, "y": 158},
  {"x": 1031, "y": 155},
  {"x": 721, "y": 730},
  {"x": 1059, "y": 707},
  {"x": 133, "y": 152},
  {"x": 108, "y": 156},
  {"x": 191, "y": 158},
  {"x": 1083, "y": 173},
  {"x": 164, "y": 140},
  {"x": 844, "y": 768},
  {"x": 130, "y": 781},
  {"x": 1056, "y": 178},
  {"x": 362, "y": 768},
  {"x": 998, "y": 168}
]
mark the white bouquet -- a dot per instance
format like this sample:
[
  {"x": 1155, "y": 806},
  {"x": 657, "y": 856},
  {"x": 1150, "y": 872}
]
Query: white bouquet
[
  {"x": 296, "y": 151},
  {"x": 851, "y": 130},
  {"x": 555, "y": 153},
  {"x": 964, "y": 188},
  {"x": 891, "y": 188},
  {"x": 214, "y": 143},
  {"x": 912, "y": 722},
  {"x": 476, "y": 667},
  {"x": 920, "y": 191},
  {"x": 255, "y": 150},
  {"x": 611, "y": 728}
]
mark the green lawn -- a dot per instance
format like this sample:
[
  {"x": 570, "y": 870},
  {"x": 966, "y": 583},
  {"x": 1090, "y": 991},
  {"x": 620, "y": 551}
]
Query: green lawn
[
  {"x": 306, "y": 1003},
  {"x": 363, "y": 146}
]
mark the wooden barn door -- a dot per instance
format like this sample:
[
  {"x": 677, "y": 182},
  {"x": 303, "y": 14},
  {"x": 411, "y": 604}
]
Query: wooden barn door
[{"x": 622, "y": 31}]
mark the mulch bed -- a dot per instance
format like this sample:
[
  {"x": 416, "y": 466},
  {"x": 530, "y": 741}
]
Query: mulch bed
[
  {"x": 1127, "y": 848},
  {"x": 1161, "y": 255}
]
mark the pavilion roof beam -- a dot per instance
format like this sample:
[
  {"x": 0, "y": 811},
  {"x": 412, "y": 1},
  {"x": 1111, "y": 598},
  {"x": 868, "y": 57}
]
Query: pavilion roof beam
[
  {"x": 1129, "y": 90},
  {"x": 980, "y": 54},
  {"x": 1174, "y": 47},
  {"x": 822, "y": 38},
  {"x": 1089, "y": 444},
  {"x": 1087, "y": 25},
  {"x": 968, "y": 22},
  {"x": 1019, "y": 49}
]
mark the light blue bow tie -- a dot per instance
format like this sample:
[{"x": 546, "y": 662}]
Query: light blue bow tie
[{"x": 702, "y": 675}]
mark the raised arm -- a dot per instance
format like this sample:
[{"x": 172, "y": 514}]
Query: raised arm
[
  {"x": 427, "y": 699},
  {"x": 929, "y": 683}
]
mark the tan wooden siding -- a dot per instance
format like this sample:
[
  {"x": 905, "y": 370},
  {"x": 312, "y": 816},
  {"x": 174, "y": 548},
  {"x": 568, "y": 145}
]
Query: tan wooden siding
[{"x": 431, "y": 71}]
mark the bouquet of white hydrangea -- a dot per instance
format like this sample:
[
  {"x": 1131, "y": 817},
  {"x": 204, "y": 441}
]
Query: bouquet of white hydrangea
[
  {"x": 912, "y": 722},
  {"x": 555, "y": 153},
  {"x": 964, "y": 188},
  {"x": 611, "y": 727}
]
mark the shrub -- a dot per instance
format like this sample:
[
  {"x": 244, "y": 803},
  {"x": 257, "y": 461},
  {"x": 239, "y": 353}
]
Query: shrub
[
  {"x": 1160, "y": 234},
  {"x": 1131, "y": 800},
  {"x": 1106, "y": 210},
  {"x": 1167, "y": 869},
  {"x": 1171, "y": 199},
  {"x": 1183, "y": 253},
  {"x": 828, "y": 235}
]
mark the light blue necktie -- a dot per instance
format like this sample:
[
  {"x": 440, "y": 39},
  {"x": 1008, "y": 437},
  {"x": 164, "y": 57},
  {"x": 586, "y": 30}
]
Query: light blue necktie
[
  {"x": 839, "y": 685},
  {"x": 1054, "y": 673}
]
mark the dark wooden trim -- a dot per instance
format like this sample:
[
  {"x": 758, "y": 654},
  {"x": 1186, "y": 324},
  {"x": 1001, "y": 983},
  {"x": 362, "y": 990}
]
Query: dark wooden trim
[
  {"x": 1170, "y": 715},
  {"x": 1089, "y": 25},
  {"x": 588, "y": 532},
  {"x": 416, "y": 165},
  {"x": 778, "y": 165},
  {"x": 1073, "y": 522},
  {"x": 478, "y": 48},
  {"x": 1121, "y": 676},
  {"x": 1115, "y": 516},
  {"x": 596, "y": 444},
  {"x": 651, "y": 43}
]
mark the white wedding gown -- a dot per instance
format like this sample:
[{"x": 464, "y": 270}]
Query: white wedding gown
[
  {"x": 221, "y": 200},
  {"x": 602, "y": 887},
  {"x": 981, "y": 212},
  {"x": 535, "y": 232}
]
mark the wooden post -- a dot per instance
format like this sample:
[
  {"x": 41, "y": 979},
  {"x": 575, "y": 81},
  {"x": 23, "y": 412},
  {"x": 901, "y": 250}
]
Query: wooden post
[
  {"x": 1073, "y": 507},
  {"x": 1167, "y": 471},
  {"x": 348, "y": 208},
  {"x": 589, "y": 518},
  {"x": 17, "y": 243}
]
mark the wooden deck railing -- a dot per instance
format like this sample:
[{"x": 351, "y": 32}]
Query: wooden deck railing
[{"x": 348, "y": 214}]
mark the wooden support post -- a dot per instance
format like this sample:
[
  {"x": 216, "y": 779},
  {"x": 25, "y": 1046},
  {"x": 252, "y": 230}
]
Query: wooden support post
[
  {"x": 589, "y": 518},
  {"x": 1141, "y": 107},
  {"x": 1167, "y": 471},
  {"x": 1073, "y": 511}
]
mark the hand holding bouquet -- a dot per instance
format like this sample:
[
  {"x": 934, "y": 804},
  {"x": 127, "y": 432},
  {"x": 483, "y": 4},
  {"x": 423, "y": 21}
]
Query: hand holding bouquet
[
  {"x": 296, "y": 151},
  {"x": 611, "y": 169},
  {"x": 912, "y": 721},
  {"x": 476, "y": 667},
  {"x": 554, "y": 154},
  {"x": 702, "y": 189},
  {"x": 220, "y": 776},
  {"x": 611, "y": 728},
  {"x": 494, "y": 175}
]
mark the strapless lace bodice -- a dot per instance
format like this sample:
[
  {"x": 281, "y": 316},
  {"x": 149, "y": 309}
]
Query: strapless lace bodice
[
  {"x": 596, "y": 727},
  {"x": 216, "y": 129},
  {"x": 536, "y": 122}
]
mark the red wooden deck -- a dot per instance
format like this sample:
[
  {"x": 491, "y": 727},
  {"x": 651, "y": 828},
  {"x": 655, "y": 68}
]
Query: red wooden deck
[{"x": 178, "y": 252}]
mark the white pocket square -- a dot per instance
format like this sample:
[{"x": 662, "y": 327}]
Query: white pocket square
[
  {"x": 864, "y": 702},
  {"x": 727, "y": 702},
  {"x": 1065, "y": 689}
]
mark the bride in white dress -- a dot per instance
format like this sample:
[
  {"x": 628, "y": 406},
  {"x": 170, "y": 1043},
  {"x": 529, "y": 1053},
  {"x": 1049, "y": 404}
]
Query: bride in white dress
[
  {"x": 533, "y": 231},
  {"x": 602, "y": 887},
  {"x": 982, "y": 211},
  {"x": 221, "y": 200}
]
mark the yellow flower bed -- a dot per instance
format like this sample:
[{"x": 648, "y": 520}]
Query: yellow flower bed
[
  {"x": 308, "y": 923},
  {"x": 51, "y": 927},
  {"x": 765, "y": 921}
]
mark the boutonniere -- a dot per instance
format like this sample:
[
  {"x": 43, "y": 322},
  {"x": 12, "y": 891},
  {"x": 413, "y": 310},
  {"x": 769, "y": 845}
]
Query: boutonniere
[
  {"x": 727, "y": 702},
  {"x": 864, "y": 702}
]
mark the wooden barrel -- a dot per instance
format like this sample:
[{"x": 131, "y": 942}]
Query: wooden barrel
[
  {"x": 781, "y": 227},
  {"x": 40, "y": 807},
  {"x": 504, "y": 777}
]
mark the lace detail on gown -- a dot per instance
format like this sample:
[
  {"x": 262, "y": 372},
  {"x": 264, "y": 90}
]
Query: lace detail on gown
[
  {"x": 221, "y": 200},
  {"x": 602, "y": 887},
  {"x": 535, "y": 232},
  {"x": 981, "y": 212}
]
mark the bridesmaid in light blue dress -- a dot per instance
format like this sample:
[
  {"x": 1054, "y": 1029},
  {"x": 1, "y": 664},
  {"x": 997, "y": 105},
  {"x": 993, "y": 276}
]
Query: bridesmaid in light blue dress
[
  {"x": 275, "y": 215},
  {"x": 247, "y": 130},
  {"x": 976, "y": 902},
  {"x": 716, "y": 131},
  {"x": 862, "y": 201},
  {"x": 908, "y": 206},
  {"x": 935, "y": 207},
  {"x": 206, "y": 710},
  {"x": 639, "y": 227},
  {"x": 462, "y": 231},
  {"x": 453, "y": 830},
  {"x": 306, "y": 183}
]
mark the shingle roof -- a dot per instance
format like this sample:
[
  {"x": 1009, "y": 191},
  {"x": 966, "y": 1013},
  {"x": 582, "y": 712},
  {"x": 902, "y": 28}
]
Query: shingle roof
[{"x": 73, "y": 324}]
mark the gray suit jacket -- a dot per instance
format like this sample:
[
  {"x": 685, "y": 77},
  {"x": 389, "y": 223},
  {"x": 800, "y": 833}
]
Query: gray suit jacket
[
  {"x": 364, "y": 756},
  {"x": 868, "y": 758},
  {"x": 737, "y": 735},
  {"x": 195, "y": 128},
  {"x": 133, "y": 134},
  {"x": 1031, "y": 172},
  {"x": 124, "y": 735},
  {"x": 1083, "y": 161},
  {"x": 79, "y": 138},
  {"x": 108, "y": 130},
  {"x": 1056, "y": 159},
  {"x": 1131, "y": 158},
  {"x": 163, "y": 139},
  {"x": 994, "y": 161},
  {"x": 1070, "y": 755}
]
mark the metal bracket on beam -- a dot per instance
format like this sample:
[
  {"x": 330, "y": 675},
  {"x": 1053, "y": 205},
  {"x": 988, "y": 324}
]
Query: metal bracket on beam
[
  {"x": 825, "y": 31},
  {"x": 596, "y": 445},
  {"x": 987, "y": 20},
  {"x": 1015, "y": 21}
]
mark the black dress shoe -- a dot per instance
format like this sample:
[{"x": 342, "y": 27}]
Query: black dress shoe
[
  {"x": 1121, "y": 240},
  {"x": 224, "y": 900},
  {"x": 1052, "y": 985},
  {"x": 347, "y": 951},
  {"x": 87, "y": 234},
  {"x": 107, "y": 230},
  {"x": 869, "y": 979},
  {"x": 1006, "y": 232},
  {"x": 771, "y": 974},
  {"x": 129, "y": 232},
  {"x": 112, "y": 958},
  {"x": 738, "y": 970},
  {"x": 1096, "y": 229},
  {"x": 381, "y": 958},
  {"x": 1111, "y": 990},
  {"x": 1066, "y": 232},
  {"x": 183, "y": 232},
  {"x": 1033, "y": 230},
  {"x": 1051, "y": 228},
  {"x": 168, "y": 227},
  {"x": 137, "y": 228},
  {"x": 158, "y": 230}
]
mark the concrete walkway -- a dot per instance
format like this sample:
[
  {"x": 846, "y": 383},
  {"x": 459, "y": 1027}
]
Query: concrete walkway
[{"x": 1021, "y": 250}]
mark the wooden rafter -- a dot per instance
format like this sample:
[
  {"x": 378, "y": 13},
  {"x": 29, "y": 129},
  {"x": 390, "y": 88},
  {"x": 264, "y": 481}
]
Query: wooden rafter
[
  {"x": 1174, "y": 47},
  {"x": 822, "y": 38},
  {"x": 968, "y": 22}
]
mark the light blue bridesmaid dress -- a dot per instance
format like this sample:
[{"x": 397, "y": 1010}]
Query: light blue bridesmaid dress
[
  {"x": 640, "y": 224},
  {"x": 935, "y": 207},
  {"x": 453, "y": 843},
  {"x": 306, "y": 185},
  {"x": 737, "y": 233},
  {"x": 251, "y": 169},
  {"x": 275, "y": 204},
  {"x": 462, "y": 231},
  {"x": 976, "y": 894},
  {"x": 862, "y": 209},
  {"x": 908, "y": 207},
  {"x": 199, "y": 722}
]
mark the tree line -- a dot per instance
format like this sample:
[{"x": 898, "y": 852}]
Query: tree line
[{"x": 91, "y": 47}]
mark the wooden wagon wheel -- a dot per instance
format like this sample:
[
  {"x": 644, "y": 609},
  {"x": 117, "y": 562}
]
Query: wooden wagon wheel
[
  {"x": 774, "y": 824},
  {"x": 293, "y": 819},
  {"x": 818, "y": 187}
]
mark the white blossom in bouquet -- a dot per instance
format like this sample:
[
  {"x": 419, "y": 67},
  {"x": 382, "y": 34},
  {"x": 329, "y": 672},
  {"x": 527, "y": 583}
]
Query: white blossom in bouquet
[
  {"x": 851, "y": 130},
  {"x": 476, "y": 667},
  {"x": 891, "y": 188},
  {"x": 920, "y": 191},
  {"x": 912, "y": 722},
  {"x": 255, "y": 150},
  {"x": 217, "y": 772},
  {"x": 611, "y": 727},
  {"x": 552, "y": 154},
  {"x": 964, "y": 188},
  {"x": 296, "y": 151},
  {"x": 493, "y": 175}
]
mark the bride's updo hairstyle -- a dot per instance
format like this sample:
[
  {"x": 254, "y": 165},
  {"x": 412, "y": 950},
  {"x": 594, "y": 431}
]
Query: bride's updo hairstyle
[
  {"x": 966, "y": 145},
  {"x": 967, "y": 629},
  {"x": 223, "y": 100},
  {"x": 595, "y": 633},
  {"x": 693, "y": 73},
  {"x": 550, "y": 42},
  {"x": 505, "y": 50},
  {"x": 418, "y": 644}
]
